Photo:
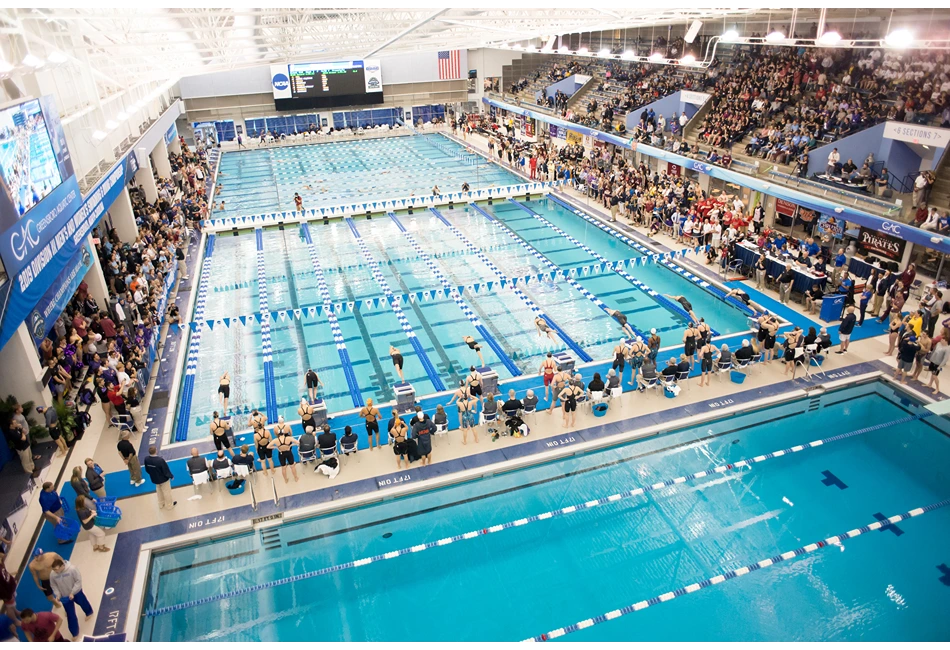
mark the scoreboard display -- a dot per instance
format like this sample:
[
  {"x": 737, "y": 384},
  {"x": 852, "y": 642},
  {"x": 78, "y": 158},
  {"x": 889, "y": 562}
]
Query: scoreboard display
[{"x": 326, "y": 85}]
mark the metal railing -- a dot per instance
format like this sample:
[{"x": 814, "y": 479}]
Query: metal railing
[
  {"x": 250, "y": 484},
  {"x": 273, "y": 484}
]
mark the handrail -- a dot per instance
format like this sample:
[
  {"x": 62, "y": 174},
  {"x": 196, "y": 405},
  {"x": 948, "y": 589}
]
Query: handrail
[
  {"x": 250, "y": 484},
  {"x": 273, "y": 483}
]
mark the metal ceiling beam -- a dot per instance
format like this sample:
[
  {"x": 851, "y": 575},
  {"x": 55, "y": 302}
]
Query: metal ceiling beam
[{"x": 405, "y": 32}]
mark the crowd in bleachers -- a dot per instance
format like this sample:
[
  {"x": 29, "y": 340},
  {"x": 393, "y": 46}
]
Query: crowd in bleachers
[{"x": 101, "y": 352}]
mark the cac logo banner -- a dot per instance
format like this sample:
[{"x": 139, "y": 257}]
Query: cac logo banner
[
  {"x": 280, "y": 82},
  {"x": 373, "y": 76}
]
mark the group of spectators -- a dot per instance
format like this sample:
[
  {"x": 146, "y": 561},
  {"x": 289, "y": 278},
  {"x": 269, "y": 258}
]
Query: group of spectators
[{"x": 102, "y": 349}]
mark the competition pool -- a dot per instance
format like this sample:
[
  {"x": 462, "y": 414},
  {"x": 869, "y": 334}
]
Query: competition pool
[
  {"x": 348, "y": 263},
  {"x": 544, "y": 574},
  {"x": 265, "y": 180}
]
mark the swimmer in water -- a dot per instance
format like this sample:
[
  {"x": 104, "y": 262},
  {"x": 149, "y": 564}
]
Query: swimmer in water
[
  {"x": 622, "y": 319},
  {"x": 465, "y": 187},
  {"x": 685, "y": 304},
  {"x": 473, "y": 345},
  {"x": 544, "y": 328},
  {"x": 224, "y": 390},
  {"x": 397, "y": 360}
]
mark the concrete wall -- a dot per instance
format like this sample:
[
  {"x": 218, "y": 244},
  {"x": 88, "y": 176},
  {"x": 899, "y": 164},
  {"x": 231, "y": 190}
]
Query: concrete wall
[
  {"x": 856, "y": 147},
  {"x": 665, "y": 107}
]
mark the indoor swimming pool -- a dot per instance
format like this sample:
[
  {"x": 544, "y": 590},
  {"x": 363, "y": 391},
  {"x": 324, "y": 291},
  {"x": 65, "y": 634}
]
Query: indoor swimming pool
[
  {"x": 544, "y": 574},
  {"x": 405, "y": 254},
  {"x": 258, "y": 181}
]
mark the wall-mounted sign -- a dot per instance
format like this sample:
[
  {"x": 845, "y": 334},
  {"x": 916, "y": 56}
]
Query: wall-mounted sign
[{"x": 889, "y": 246}]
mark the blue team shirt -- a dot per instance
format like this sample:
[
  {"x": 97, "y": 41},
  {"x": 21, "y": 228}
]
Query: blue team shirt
[{"x": 840, "y": 261}]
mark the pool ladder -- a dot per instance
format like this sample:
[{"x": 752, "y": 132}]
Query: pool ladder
[{"x": 270, "y": 538}]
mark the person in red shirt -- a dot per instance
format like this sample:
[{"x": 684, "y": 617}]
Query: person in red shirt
[
  {"x": 79, "y": 323},
  {"x": 40, "y": 627}
]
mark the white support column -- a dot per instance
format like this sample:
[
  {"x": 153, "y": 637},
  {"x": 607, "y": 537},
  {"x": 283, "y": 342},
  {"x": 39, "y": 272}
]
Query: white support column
[
  {"x": 160, "y": 158},
  {"x": 175, "y": 145},
  {"x": 25, "y": 376},
  {"x": 144, "y": 176},
  {"x": 95, "y": 279},
  {"x": 123, "y": 218}
]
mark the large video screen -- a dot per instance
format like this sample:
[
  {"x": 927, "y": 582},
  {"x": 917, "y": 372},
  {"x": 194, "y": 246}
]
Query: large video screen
[
  {"x": 31, "y": 167},
  {"x": 326, "y": 85}
]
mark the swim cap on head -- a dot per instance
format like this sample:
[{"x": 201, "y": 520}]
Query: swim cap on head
[{"x": 653, "y": 331}]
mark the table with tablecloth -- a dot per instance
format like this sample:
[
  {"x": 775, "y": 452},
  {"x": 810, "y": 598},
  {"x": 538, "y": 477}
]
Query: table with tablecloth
[{"x": 774, "y": 266}]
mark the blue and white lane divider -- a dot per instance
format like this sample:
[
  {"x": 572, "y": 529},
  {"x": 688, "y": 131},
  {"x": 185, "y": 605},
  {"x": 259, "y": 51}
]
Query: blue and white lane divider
[
  {"x": 393, "y": 301},
  {"x": 658, "y": 257},
  {"x": 497, "y": 528},
  {"x": 457, "y": 297},
  {"x": 335, "y": 330},
  {"x": 741, "y": 571},
  {"x": 270, "y": 387},
  {"x": 559, "y": 272},
  {"x": 191, "y": 363},
  {"x": 537, "y": 311},
  {"x": 616, "y": 267}
]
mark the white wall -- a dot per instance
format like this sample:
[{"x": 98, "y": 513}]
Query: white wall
[{"x": 417, "y": 67}]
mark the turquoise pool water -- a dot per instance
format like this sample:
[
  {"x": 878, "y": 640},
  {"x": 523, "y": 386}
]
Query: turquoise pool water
[
  {"x": 265, "y": 180},
  {"x": 886, "y": 585},
  {"x": 439, "y": 324}
]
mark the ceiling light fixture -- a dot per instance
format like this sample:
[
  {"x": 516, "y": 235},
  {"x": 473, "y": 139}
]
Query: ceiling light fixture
[
  {"x": 730, "y": 35},
  {"x": 57, "y": 57},
  {"x": 583, "y": 51},
  {"x": 629, "y": 54},
  {"x": 656, "y": 56},
  {"x": 32, "y": 61},
  {"x": 604, "y": 53},
  {"x": 5, "y": 67},
  {"x": 111, "y": 125},
  {"x": 829, "y": 39},
  {"x": 899, "y": 38},
  {"x": 98, "y": 135},
  {"x": 689, "y": 59},
  {"x": 775, "y": 37}
]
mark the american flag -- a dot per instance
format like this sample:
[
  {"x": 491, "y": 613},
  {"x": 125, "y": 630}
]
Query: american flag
[{"x": 450, "y": 66}]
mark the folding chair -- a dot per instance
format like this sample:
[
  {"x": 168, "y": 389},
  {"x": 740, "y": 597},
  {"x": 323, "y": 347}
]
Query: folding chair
[
  {"x": 309, "y": 456},
  {"x": 122, "y": 422},
  {"x": 200, "y": 479},
  {"x": 651, "y": 383},
  {"x": 815, "y": 359},
  {"x": 723, "y": 368},
  {"x": 799, "y": 360},
  {"x": 242, "y": 471},
  {"x": 329, "y": 452},
  {"x": 351, "y": 448},
  {"x": 682, "y": 377},
  {"x": 442, "y": 430},
  {"x": 596, "y": 396}
]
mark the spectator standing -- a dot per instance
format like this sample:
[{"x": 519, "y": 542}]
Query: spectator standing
[
  {"x": 40, "y": 627},
  {"x": 161, "y": 476},
  {"x": 66, "y": 582},
  {"x": 95, "y": 479},
  {"x": 130, "y": 458}
]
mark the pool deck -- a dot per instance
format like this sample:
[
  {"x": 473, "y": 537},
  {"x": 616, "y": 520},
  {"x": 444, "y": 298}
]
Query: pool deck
[{"x": 373, "y": 475}]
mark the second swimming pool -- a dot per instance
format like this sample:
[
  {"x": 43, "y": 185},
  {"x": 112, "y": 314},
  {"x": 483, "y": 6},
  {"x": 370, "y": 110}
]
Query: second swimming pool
[{"x": 891, "y": 584}]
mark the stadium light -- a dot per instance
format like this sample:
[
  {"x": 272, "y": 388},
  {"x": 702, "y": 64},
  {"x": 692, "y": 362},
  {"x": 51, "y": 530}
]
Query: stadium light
[
  {"x": 583, "y": 51},
  {"x": 775, "y": 37},
  {"x": 111, "y": 125},
  {"x": 122, "y": 116},
  {"x": 5, "y": 67},
  {"x": 689, "y": 59},
  {"x": 899, "y": 38},
  {"x": 98, "y": 135},
  {"x": 830, "y": 39},
  {"x": 531, "y": 48},
  {"x": 57, "y": 57},
  {"x": 564, "y": 49},
  {"x": 628, "y": 54},
  {"x": 730, "y": 35},
  {"x": 33, "y": 61},
  {"x": 604, "y": 53},
  {"x": 656, "y": 56}
]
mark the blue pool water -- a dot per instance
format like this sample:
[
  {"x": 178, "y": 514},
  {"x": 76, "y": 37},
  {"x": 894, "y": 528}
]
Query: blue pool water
[
  {"x": 885, "y": 585},
  {"x": 265, "y": 180},
  {"x": 438, "y": 324}
]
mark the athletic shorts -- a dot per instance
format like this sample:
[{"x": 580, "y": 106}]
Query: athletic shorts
[
  {"x": 933, "y": 368},
  {"x": 222, "y": 442},
  {"x": 46, "y": 587},
  {"x": 769, "y": 342},
  {"x": 570, "y": 406},
  {"x": 548, "y": 379},
  {"x": 225, "y": 389},
  {"x": 265, "y": 453},
  {"x": 844, "y": 337},
  {"x": 286, "y": 457},
  {"x": 397, "y": 360},
  {"x": 906, "y": 366},
  {"x": 475, "y": 391},
  {"x": 372, "y": 427},
  {"x": 706, "y": 365}
]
